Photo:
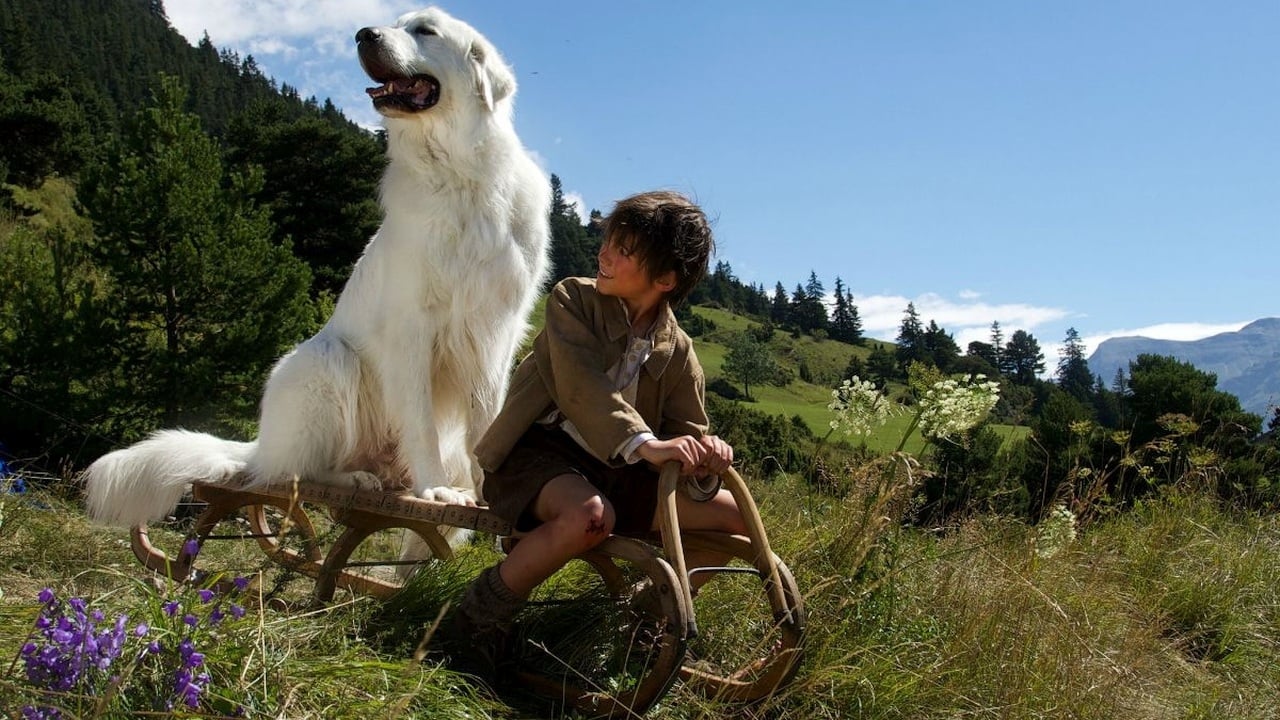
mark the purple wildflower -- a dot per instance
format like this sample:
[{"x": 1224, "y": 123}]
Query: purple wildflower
[
  {"x": 46, "y": 596},
  {"x": 171, "y": 608},
  {"x": 240, "y": 582},
  {"x": 69, "y": 650},
  {"x": 187, "y": 651},
  {"x": 191, "y": 548},
  {"x": 237, "y": 612},
  {"x": 190, "y": 686},
  {"x": 205, "y": 594},
  {"x": 190, "y": 620}
]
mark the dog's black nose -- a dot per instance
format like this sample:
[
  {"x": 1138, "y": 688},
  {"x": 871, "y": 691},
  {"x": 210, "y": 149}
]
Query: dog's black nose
[{"x": 368, "y": 35}]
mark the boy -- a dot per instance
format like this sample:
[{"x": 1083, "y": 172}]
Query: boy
[{"x": 611, "y": 392}]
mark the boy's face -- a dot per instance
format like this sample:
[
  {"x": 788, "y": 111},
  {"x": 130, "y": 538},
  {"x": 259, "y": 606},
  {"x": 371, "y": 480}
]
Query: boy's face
[{"x": 621, "y": 274}]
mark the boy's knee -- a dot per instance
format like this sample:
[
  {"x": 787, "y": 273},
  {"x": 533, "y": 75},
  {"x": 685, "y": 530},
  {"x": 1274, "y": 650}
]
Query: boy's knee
[
  {"x": 589, "y": 523},
  {"x": 598, "y": 518}
]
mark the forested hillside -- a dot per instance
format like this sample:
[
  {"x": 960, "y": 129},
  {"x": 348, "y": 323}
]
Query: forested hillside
[{"x": 171, "y": 220}]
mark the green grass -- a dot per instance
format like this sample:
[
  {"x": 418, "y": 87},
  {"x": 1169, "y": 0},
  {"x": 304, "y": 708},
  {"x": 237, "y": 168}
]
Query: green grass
[{"x": 1171, "y": 610}]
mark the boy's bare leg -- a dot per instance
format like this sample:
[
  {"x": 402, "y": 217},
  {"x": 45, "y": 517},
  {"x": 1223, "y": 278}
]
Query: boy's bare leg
[{"x": 575, "y": 518}]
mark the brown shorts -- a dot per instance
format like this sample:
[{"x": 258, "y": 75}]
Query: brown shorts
[{"x": 544, "y": 453}]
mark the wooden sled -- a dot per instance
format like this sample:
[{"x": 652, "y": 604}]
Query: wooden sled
[{"x": 623, "y": 675}]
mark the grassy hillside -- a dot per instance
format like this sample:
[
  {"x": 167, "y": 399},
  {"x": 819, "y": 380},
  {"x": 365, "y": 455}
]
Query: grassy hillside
[{"x": 826, "y": 360}]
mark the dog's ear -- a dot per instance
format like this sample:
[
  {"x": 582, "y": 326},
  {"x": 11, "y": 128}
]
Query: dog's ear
[{"x": 493, "y": 78}]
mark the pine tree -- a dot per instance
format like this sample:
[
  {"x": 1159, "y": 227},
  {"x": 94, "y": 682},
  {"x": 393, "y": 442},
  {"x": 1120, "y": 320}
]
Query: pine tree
[
  {"x": 780, "y": 307},
  {"x": 846, "y": 326},
  {"x": 911, "y": 347},
  {"x": 44, "y": 129},
  {"x": 305, "y": 159},
  {"x": 573, "y": 252},
  {"x": 795, "y": 314},
  {"x": 808, "y": 313},
  {"x": 1023, "y": 357},
  {"x": 1073, "y": 373},
  {"x": 882, "y": 366},
  {"x": 997, "y": 347},
  {"x": 939, "y": 347},
  {"x": 205, "y": 301},
  {"x": 855, "y": 321},
  {"x": 814, "y": 288},
  {"x": 54, "y": 341}
]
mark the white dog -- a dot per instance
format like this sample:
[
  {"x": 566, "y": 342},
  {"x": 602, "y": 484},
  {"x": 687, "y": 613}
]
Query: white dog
[{"x": 408, "y": 373}]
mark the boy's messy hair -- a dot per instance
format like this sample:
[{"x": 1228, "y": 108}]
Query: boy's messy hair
[{"x": 665, "y": 231}]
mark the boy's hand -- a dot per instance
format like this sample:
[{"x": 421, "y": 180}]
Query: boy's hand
[
  {"x": 707, "y": 456},
  {"x": 685, "y": 450},
  {"x": 718, "y": 457}
]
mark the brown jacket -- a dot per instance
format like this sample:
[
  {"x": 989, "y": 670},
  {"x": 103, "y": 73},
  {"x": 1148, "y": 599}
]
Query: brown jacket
[{"x": 585, "y": 334}]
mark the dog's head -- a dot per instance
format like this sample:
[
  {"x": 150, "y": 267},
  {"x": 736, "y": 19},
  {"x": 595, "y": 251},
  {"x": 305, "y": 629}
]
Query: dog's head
[{"x": 429, "y": 59}]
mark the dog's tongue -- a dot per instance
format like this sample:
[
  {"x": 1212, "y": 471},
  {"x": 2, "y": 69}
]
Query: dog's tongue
[{"x": 419, "y": 88}]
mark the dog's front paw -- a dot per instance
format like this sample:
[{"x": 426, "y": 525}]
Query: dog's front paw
[
  {"x": 450, "y": 496},
  {"x": 358, "y": 479}
]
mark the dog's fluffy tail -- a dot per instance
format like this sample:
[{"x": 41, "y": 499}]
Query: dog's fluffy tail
[{"x": 144, "y": 482}]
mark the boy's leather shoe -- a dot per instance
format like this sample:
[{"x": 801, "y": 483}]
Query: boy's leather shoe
[{"x": 481, "y": 650}]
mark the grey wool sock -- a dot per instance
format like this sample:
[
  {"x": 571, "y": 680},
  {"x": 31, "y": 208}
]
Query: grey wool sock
[{"x": 488, "y": 600}]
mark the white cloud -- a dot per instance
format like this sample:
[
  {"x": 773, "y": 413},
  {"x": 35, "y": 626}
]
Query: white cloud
[
  {"x": 1169, "y": 331},
  {"x": 579, "y": 205},
  {"x": 967, "y": 318},
  {"x": 540, "y": 160},
  {"x": 271, "y": 46},
  {"x": 236, "y": 22}
]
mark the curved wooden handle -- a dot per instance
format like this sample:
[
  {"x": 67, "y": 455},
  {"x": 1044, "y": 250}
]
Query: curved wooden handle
[
  {"x": 755, "y": 530},
  {"x": 673, "y": 543},
  {"x": 669, "y": 525}
]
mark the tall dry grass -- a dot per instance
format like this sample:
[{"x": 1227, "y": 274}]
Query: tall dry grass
[{"x": 1169, "y": 610}]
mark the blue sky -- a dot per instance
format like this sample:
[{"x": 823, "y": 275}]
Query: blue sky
[{"x": 1113, "y": 167}]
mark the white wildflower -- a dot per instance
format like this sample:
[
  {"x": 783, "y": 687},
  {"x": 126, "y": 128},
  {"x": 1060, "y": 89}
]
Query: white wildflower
[
  {"x": 1056, "y": 531},
  {"x": 859, "y": 407},
  {"x": 953, "y": 406}
]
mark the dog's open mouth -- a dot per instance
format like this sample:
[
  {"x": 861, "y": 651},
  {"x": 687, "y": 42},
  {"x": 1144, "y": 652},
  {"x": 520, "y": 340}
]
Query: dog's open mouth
[{"x": 413, "y": 94}]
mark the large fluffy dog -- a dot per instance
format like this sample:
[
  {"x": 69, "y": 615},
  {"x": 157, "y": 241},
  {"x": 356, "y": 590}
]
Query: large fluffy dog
[{"x": 413, "y": 365}]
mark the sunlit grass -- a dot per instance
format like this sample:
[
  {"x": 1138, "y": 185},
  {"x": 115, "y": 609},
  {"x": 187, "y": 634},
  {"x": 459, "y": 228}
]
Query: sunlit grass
[{"x": 1171, "y": 610}]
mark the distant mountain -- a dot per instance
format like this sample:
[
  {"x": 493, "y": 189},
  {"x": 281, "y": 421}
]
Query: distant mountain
[{"x": 1247, "y": 362}]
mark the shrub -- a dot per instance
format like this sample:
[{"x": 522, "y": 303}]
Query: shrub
[{"x": 771, "y": 443}]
